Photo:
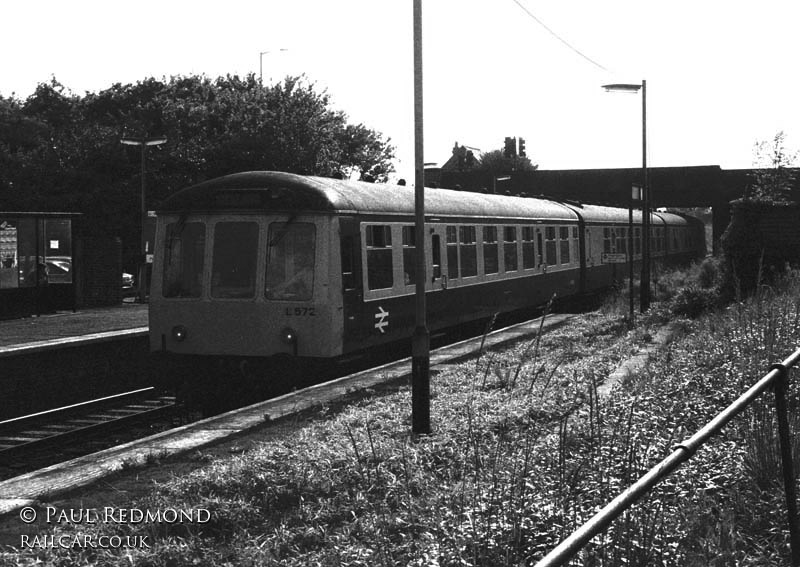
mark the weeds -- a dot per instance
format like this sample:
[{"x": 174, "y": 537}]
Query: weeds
[{"x": 524, "y": 450}]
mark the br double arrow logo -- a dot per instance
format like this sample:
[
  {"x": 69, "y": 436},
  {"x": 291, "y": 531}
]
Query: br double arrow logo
[{"x": 383, "y": 319}]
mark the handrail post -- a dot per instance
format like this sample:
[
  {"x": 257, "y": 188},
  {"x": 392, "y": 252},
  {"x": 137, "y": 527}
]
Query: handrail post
[{"x": 781, "y": 413}]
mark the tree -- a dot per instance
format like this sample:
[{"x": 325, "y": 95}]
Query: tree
[
  {"x": 497, "y": 163},
  {"x": 773, "y": 177},
  {"x": 59, "y": 151}
]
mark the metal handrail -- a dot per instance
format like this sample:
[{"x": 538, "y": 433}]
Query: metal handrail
[{"x": 683, "y": 452}]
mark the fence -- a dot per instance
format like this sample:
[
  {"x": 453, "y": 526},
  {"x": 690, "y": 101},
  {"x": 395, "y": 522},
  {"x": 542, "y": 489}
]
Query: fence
[{"x": 777, "y": 378}]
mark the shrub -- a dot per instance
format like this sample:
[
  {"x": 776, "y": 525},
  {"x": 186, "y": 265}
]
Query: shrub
[
  {"x": 692, "y": 301},
  {"x": 709, "y": 273}
]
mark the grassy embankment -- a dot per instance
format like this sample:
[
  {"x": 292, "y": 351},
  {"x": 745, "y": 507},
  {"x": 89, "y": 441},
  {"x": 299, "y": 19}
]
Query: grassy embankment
[{"x": 523, "y": 452}]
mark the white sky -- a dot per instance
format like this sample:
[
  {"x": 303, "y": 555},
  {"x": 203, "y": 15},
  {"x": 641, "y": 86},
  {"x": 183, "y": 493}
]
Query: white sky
[{"x": 721, "y": 75}]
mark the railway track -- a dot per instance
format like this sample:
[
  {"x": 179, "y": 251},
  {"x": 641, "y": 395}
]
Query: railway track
[{"x": 60, "y": 426}]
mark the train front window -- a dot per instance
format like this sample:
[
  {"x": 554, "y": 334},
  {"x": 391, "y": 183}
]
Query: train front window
[
  {"x": 183, "y": 259},
  {"x": 233, "y": 273},
  {"x": 290, "y": 261}
]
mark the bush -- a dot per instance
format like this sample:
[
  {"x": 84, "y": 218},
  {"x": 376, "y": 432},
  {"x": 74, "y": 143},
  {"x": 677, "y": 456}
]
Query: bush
[
  {"x": 709, "y": 273},
  {"x": 692, "y": 301}
]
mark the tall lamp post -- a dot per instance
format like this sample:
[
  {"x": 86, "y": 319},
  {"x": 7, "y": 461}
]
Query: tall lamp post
[
  {"x": 143, "y": 142},
  {"x": 644, "y": 297},
  {"x": 420, "y": 341},
  {"x": 261, "y": 55}
]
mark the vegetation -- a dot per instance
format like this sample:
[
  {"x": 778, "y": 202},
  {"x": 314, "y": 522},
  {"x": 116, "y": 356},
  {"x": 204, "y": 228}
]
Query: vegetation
[
  {"x": 773, "y": 177},
  {"x": 524, "y": 449},
  {"x": 497, "y": 163},
  {"x": 61, "y": 151}
]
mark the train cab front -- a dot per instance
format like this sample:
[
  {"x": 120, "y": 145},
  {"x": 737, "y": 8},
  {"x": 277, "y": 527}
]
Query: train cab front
[{"x": 241, "y": 286}]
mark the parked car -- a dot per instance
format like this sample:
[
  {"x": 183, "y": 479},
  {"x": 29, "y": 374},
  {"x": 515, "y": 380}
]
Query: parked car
[{"x": 58, "y": 269}]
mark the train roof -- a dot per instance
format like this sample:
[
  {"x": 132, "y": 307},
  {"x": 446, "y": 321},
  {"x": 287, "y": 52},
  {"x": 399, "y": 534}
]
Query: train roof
[
  {"x": 601, "y": 213},
  {"x": 277, "y": 191}
]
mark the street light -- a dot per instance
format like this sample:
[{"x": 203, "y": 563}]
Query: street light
[
  {"x": 644, "y": 298},
  {"x": 261, "y": 55},
  {"x": 143, "y": 143},
  {"x": 420, "y": 340}
]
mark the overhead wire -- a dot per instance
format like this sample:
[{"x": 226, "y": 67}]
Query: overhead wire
[{"x": 558, "y": 37}]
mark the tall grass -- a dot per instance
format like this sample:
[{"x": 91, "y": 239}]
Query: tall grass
[{"x": 524, "y": 450}]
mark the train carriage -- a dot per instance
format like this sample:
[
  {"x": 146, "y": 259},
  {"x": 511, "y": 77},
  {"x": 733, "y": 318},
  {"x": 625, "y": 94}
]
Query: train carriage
[{"x": 264, "y": 263}]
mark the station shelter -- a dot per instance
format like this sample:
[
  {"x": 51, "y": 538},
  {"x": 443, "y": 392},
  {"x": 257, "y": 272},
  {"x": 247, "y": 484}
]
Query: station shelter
[{"x": 37, "y": 271}]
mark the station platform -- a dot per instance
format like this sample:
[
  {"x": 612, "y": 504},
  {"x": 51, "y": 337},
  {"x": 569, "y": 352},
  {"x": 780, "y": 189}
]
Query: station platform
[{"x": 28, "y": 331}]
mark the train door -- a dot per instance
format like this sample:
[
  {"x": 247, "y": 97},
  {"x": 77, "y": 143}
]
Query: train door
[
  {"x": 352, "y": 294},
  {"x": 438, "y": 277}
]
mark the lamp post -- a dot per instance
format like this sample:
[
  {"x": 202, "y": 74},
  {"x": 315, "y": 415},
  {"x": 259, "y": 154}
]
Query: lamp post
[
  {"x": 420, "y": 341},
  {"x": 644, "y": 297},
  {"x": 261, "y": 55},
  {"x": 143, "y": 142}
]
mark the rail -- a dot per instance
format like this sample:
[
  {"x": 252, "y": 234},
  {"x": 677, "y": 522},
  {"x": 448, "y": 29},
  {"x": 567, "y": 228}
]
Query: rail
[{"x": 777, "y": 378}]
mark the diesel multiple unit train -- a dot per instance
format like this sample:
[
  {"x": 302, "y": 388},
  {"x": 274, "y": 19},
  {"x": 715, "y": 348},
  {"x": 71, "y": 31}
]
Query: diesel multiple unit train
[{"x": 258, "y": 264}]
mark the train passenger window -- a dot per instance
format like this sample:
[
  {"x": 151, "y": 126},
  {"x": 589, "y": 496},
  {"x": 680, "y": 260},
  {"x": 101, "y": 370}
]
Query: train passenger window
[
  {"x": 528, "y": 248},
  {"x": 622, "y": 240},
  {"x": 550, "y": 245},
  {"x": 564, "y": 243},
  {"x": 379, "y": 256},
  {"x": 233, "y": 264},
  {"x": 409, "y": 255},
  {"x": 184, "y": 254},
  {"x": 539, "y": 247},
  {"x": 468, "y": 251},
  {"x": 510, "y": 248},
  {"x": 452, "y": 252},
  {"x": 490, "y": 261},
  {"x": 290, "y": 261}
]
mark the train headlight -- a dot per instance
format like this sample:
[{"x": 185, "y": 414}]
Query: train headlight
[
  {"x": 288, "y": 336},
  {"x": 179, "y": 333}
]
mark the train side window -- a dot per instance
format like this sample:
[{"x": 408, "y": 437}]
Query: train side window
[
  {"x": 539, "y": 247},
  {"x": 550, "y": 245},
  {"x": 528, "y": 248},
  {"x": 490, "y": 261},
  {"x": 468, "y": 251},
  {"x": 409, "y": 255},
  {"x": 637, "y": 240},
  {"x": 510, "y": 248},
  {"x": 184, "y": 255},
  {"x": 622, "y": 240},
  {"x": 233, "y": 264},
  {"x": 452, "y": 252},
  {"x": 290, "y": 261},
  {"x": 379, "y": 256},
  {"x": 564, "y": 244}
]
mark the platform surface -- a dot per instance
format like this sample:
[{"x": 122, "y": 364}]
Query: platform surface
[{"x": 15, "y": 333}]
